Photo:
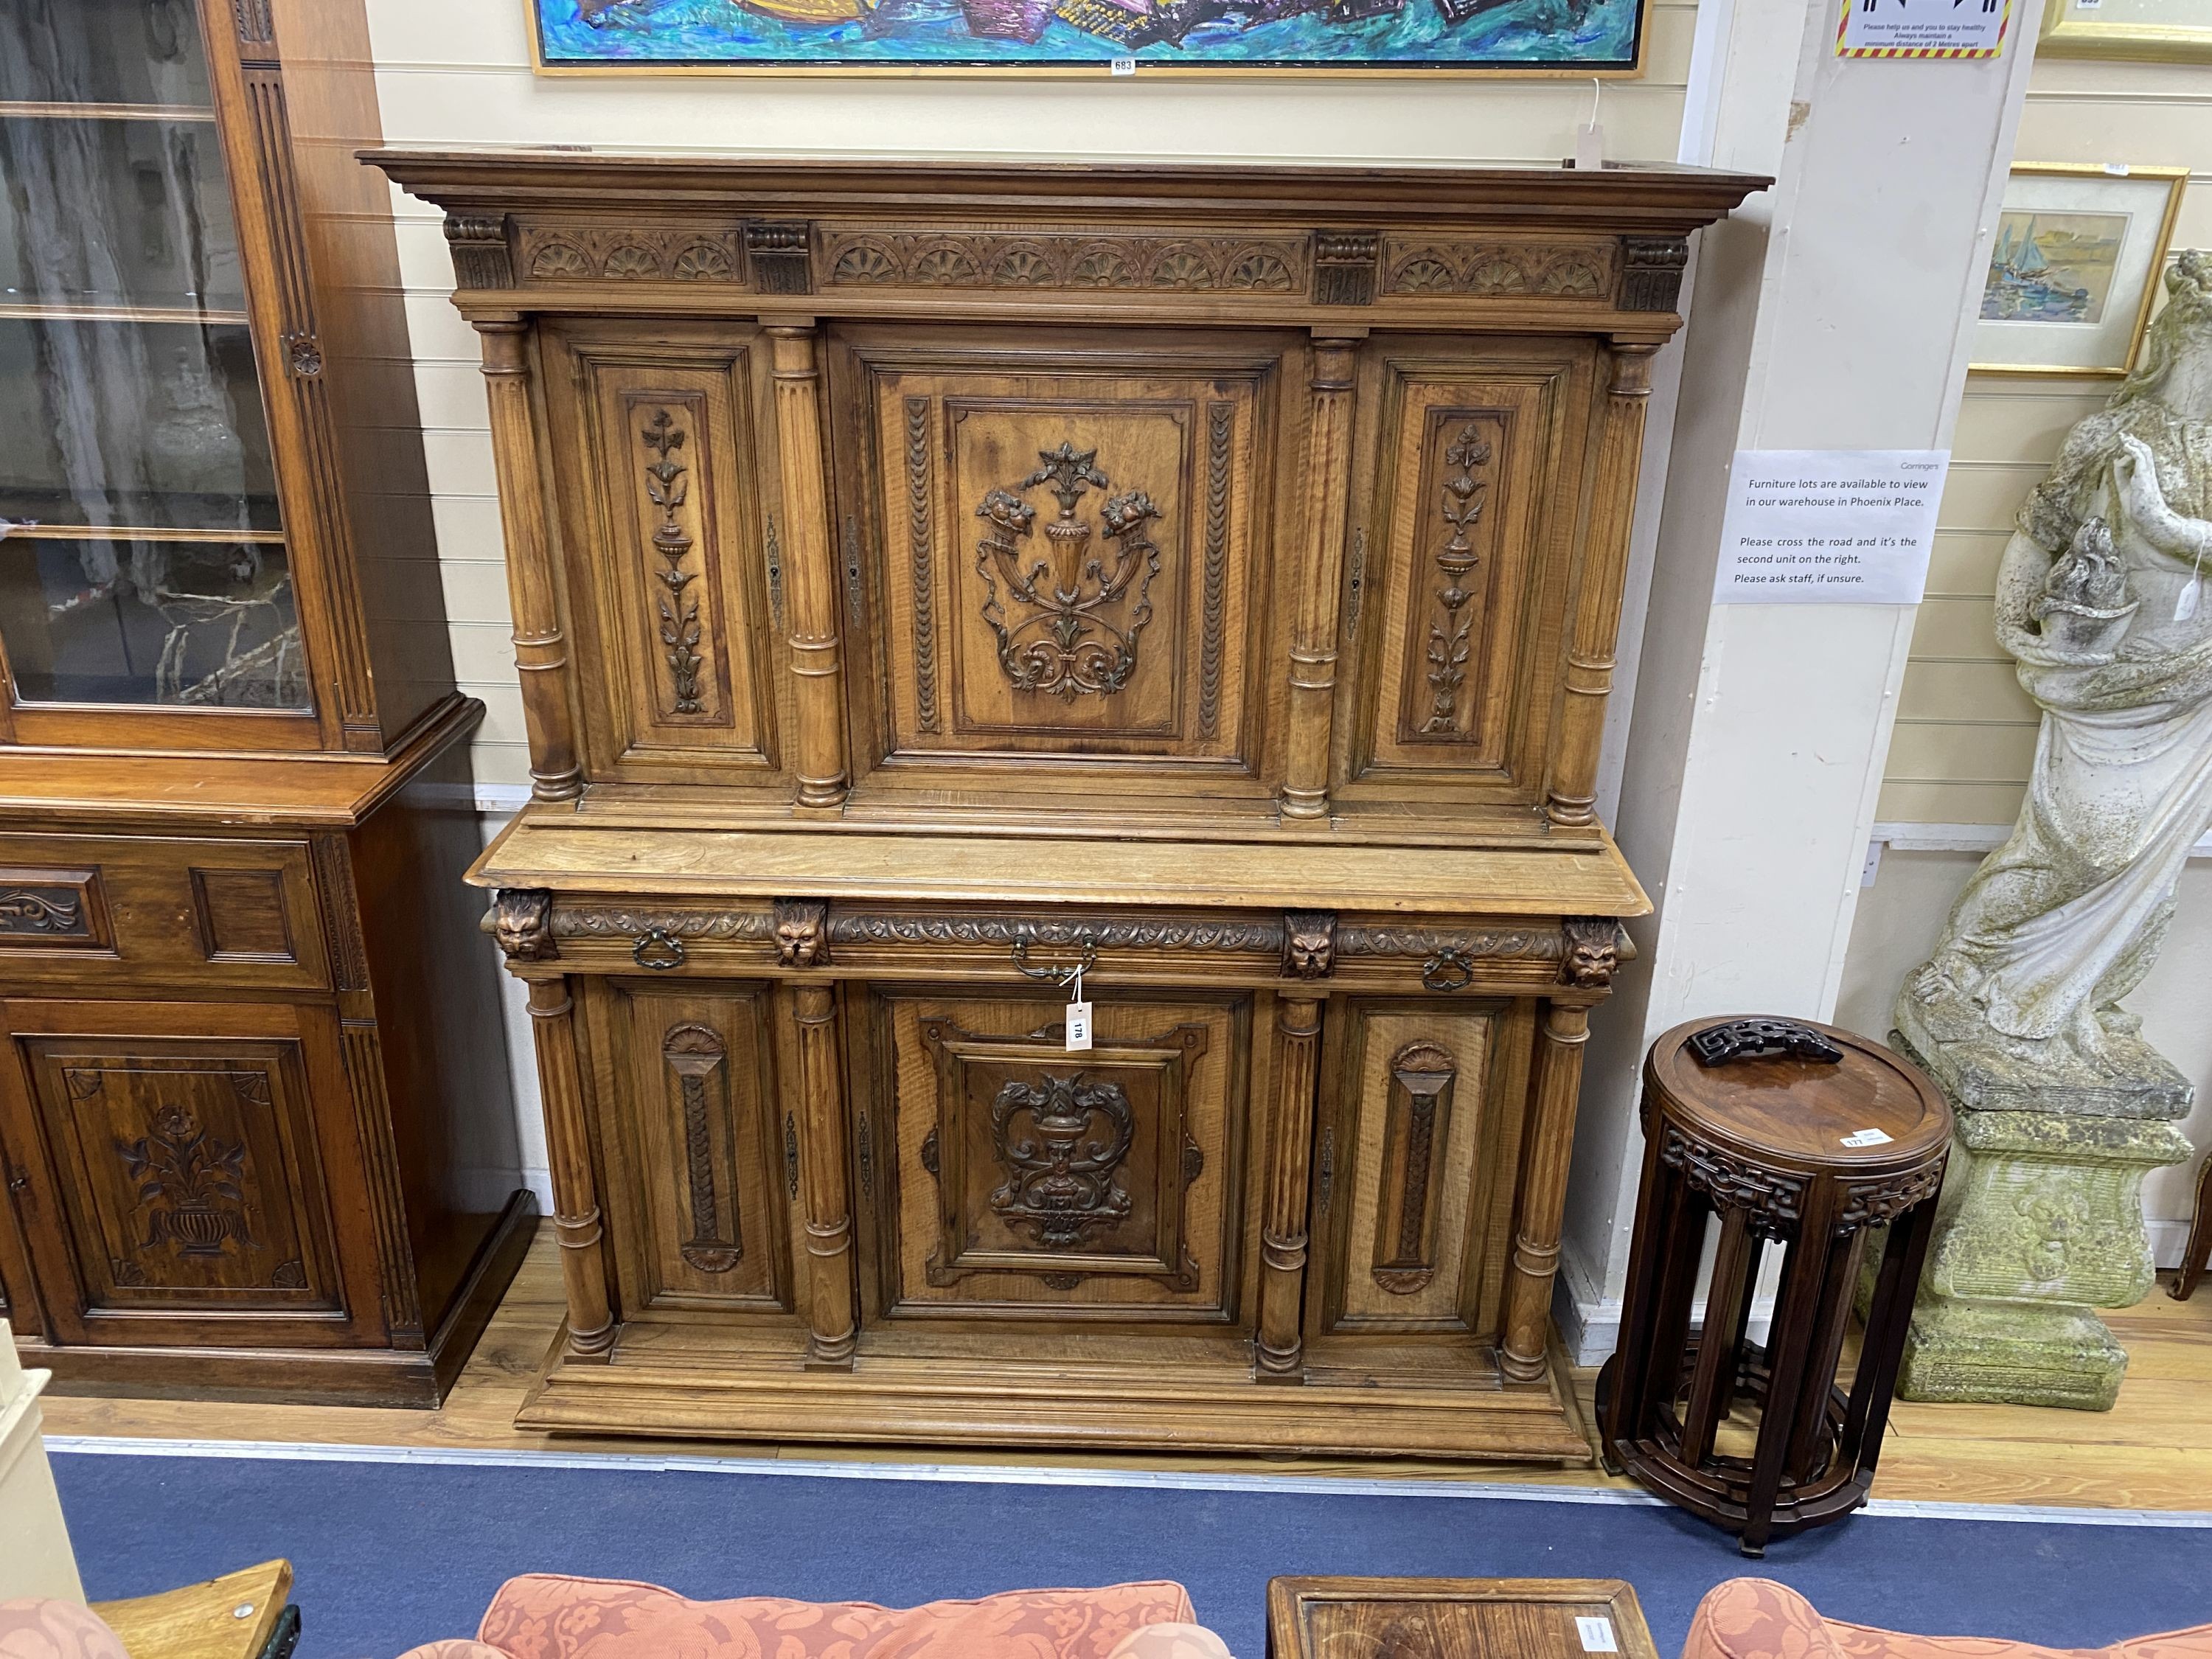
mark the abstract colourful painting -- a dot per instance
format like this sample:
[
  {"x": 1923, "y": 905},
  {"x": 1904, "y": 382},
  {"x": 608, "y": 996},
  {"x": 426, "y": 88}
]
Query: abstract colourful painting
[{"x": 1581, "y": 37}]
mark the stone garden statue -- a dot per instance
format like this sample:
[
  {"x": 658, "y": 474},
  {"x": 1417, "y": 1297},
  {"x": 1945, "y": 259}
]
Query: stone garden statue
[{"x": 2062, "y": 1107}]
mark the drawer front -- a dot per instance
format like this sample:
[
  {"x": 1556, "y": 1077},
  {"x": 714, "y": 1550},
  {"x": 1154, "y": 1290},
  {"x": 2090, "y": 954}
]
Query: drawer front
[
  {"x": 1031, "y": 1180},
  {"x": 176, "y": 1160},
  {"x": 94, "y": 910},
  {"x": 1418, "y": 1114},
  {"x": 698, "y": 1183}
]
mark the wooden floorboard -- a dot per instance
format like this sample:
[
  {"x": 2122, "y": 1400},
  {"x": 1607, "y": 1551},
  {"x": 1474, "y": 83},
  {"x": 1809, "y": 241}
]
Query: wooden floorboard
[{"x": 2152, "y": 1451}]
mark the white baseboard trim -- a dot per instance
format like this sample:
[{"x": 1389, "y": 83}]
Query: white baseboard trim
[{"x": 501, "y": 800}]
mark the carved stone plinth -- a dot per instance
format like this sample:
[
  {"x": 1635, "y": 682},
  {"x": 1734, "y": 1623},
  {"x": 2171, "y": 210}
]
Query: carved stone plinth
[{"x": 2042, "y": 1223}]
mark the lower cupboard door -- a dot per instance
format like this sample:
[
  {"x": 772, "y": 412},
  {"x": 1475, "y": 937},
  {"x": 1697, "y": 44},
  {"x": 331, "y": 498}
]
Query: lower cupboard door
[
  {"x": 1099, "y": 1187},
  {"x": 1420, "y": 1120},
  {"x": 179, "y": 1165},
  {"x": 697, "y": 1199}
]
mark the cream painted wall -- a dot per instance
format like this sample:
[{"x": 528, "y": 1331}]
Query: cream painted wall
[
  {"x": 1965, "y": 732},
  {"x": 450, "y": 74}
]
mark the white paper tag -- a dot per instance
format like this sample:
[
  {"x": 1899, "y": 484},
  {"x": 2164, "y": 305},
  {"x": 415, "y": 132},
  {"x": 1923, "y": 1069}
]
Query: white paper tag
[
  {"x": 2185, "y": 606},
  {"x": 1078, "y": 1025},
  {"x": 1589, "y": 147},
  {"x": 1866, "y": 1138},
  {"x": 1120, "y": 66},
  {"x": 1597, "y": 1635}
]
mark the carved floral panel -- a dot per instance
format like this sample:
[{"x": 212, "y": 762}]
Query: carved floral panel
[
  {"x": 1464, "y": 571},
  {"x": 187, "y": 1175},
  {"x": 667, "y": 577},
  {"x": 1072, "y": 560}
]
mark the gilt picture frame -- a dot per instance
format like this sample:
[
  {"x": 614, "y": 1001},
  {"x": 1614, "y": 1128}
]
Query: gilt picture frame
[
  {"x": 2075, "y": 267},
  {"x": 2149, "y": 30},
  {"x": 1304, "y": 39}
]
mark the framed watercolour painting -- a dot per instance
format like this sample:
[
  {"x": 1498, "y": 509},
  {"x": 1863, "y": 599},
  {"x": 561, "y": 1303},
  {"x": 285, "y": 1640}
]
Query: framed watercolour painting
[
  {"x": 2156, "y": 31},
  {"x": 1437, "y": 37},
  {"x": 2074, "y": 268}
]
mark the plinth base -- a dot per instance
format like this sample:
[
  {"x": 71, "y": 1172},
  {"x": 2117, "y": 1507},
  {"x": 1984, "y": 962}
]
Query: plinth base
[{"x": 2011, "y": 1353}]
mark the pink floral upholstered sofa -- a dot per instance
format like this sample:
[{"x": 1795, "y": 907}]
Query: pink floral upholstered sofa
[
  {"x": 543, "y": 1616},
  {"x": 1759, "y": 1619}
]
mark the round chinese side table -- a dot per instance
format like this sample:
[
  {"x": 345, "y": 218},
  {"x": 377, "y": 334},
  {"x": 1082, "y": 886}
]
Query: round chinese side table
[{"x": 1802, "y": 1137}]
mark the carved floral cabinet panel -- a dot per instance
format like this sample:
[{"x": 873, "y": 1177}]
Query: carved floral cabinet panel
[
  {"x": 191, "y": 1177},
  {"x": 950, "y": 598}
]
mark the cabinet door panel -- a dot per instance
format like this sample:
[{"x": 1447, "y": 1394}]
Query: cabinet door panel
[
  {"x": 1464, "y": 560},
  {"x": 666, "y": 518},
  {"x": 176, "y": 1162},
  {"x": 1102, "y": 1185},
  {"x": 703, "y": 1202},
  {"x": 1071, "y": 558},
  {"x": 1414, "y": 1135}
]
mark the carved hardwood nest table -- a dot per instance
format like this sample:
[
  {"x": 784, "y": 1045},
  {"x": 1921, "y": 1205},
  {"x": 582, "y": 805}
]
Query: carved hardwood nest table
[{"x": 935, "y": 581}]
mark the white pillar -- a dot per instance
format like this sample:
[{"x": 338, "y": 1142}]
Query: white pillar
[
  {"x": 1833, "y": 311},
  {"x": 35, "y": 1558}
]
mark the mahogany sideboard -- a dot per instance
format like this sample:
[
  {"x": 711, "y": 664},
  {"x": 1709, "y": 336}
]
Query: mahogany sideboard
[{"x": 932, "y": 578}]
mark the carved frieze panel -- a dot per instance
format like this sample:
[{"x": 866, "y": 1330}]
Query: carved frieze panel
[
  {"x": 868, "y": 255},
  {"x": 47, "y": 909},
  {"x": 1414, "y": 266},
  {"x": 1106, "y": 932},
  {"x": 1068, "y": 560},
  {"x": 1775, "y": 1200},
  {"x": 582, "y": 252}
]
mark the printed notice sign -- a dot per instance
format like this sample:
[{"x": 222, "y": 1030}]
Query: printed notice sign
[
  {"x": 1829, "y": 526},
  {"x": 1922, "y": 29}
]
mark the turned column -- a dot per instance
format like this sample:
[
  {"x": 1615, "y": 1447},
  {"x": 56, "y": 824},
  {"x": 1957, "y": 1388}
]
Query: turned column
[
  {"x": 1327, "y": 481},
  {"x": 1594, "y": 629},
  {"x": 812, "y": 570},
  {"x": 1283, "y": 1227},
  {"x": 1548, "y": 1140},
  {"x": 575, "y": 1198},
  {"x": 825, "y": 1191},
  {"x": 541, "y": 650}
]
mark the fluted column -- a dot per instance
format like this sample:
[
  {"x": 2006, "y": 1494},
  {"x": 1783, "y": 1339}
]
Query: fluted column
[
  {"x": 1283, "y": 1226},
  {"x": 1327, "y": 461},
  {"x": 817, "y": 658},
  {"x": 1548, "y": 1139},
  {"x": 575, "y": 1198},
  {"x": 541, "y": 651},
  {"x": 1595, "y": 626},
  {"x": 826, "y": 1192}
]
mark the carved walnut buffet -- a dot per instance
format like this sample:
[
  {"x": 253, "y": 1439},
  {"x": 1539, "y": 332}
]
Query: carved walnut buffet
[
  {"x": 241, "y": 1036},
  {"x": 932, "y": 578}
]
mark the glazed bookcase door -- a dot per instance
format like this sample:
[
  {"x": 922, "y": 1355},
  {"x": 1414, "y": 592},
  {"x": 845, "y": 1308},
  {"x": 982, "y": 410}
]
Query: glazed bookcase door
[
  {"x": 1420, "y": 1126},
  {"x": 698, "y": 1198},
  {"x": 1460, "y": 575},
  {"x": 152, "y": 581},
  {"x": 675, "y": 574},
  {"x": 1103, "y": 1185},
  {"x": 1062, "y": 554},
  {"x": 180, "y": 1155}
]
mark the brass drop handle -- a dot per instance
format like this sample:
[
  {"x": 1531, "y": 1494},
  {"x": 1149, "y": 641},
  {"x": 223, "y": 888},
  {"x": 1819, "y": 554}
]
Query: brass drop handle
[
  {"x": 657, "y": 949},
  {"x": 1057, "y": 976}
]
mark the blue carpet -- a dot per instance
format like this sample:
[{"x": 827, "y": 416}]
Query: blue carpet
[{"x": 391, "y": 1554}]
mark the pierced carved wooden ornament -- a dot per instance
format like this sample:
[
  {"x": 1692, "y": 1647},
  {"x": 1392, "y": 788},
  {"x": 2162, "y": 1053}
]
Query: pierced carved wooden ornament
[
  {"x": 1062, "y": 1139},
  {"x": 1075, "y": 622}
]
